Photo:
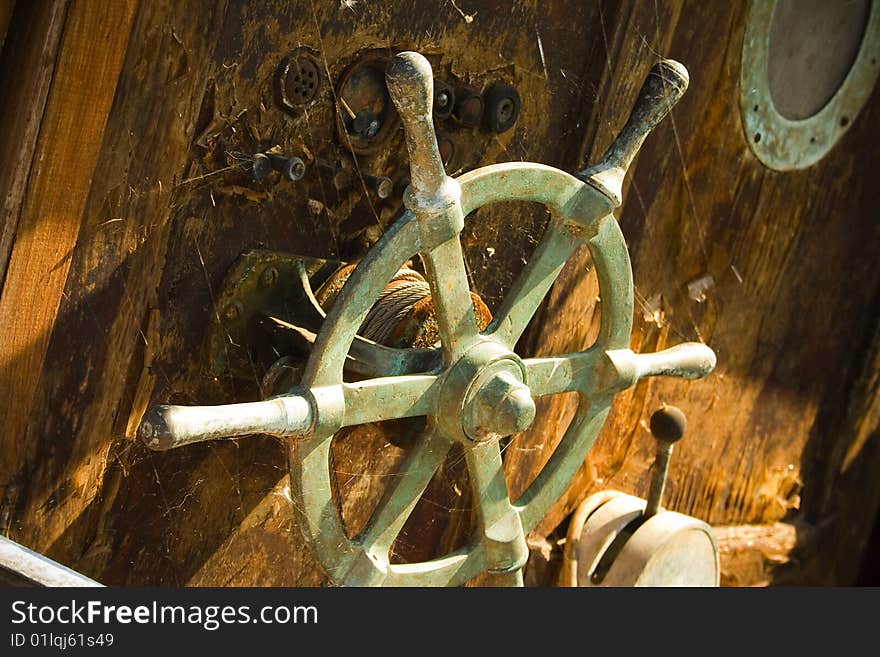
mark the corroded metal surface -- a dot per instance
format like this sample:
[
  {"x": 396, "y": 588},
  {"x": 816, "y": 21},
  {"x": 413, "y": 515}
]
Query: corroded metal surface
[
  {"x": 260, "y": 283},
  {"x": 268, "y": 302},
  {"x": 619, "y": 546},
  {"x": 21, "y": 566},
  {"x": 785, "y": 144},
  {"x": 478, "y": 367}
]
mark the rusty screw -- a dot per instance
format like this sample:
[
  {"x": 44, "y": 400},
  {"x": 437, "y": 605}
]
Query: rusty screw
[
  {"x": 382, "y": 185},
  {"x": 292, "y": 168},
  {"x": 296, "y": 168}
]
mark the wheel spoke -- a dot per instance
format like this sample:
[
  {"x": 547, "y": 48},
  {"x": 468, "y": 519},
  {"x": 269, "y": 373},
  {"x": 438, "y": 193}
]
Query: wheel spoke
[
  {"x": 568, "y": 456},
  {"x": 389, "y": 398},
  {"x": 499, "y": 521},
  {"x": 532, "y": 285},
  {"x": 403, "y": 492},
  {"x": 450, "y": 293},
  {"x": 598, "y": 372},
  {"x": 365, "y": 357},
  {"x": 588, "y": 372}
]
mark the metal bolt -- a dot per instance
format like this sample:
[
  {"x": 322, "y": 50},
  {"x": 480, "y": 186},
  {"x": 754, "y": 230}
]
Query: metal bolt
[
  {"x": 444, "y": 100},
  {"x": 292, "y": 168},
  {"x": 505, "y": 109},
  {"x": 668, "y": 425},
  {"x": 260, "y": 167},
  {"x": 365, "y": 125},
  {"x": 502, "y": 107},
  {"x": 372, "y": 129},
  {"x": 382, "y": 185},
  {"x": 296, "y": 169},
  {"x": 269, "y": 277},
  {"x": 502, "y": 407}
]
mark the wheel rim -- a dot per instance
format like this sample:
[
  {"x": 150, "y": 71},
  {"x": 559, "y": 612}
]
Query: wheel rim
[{"x": 357, "y": 561}]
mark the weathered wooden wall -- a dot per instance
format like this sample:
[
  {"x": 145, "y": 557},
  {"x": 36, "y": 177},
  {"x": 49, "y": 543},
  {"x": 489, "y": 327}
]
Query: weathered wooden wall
[
  {"x": 787, "y": 428},
  {"x": 130, "y": 214}
]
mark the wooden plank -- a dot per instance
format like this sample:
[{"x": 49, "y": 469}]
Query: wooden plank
[
  {"x": 760, "y": 555},
  {"x": 91, "y": 54},
  {"x": 766, "y": 441},
  {"x": 26, "y": 69},
  {"x": 847, "y": 503},
  {"x": 110, "y": 292}
]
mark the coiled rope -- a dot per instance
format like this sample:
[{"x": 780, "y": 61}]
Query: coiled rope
[{"x": 403, "y": 315}]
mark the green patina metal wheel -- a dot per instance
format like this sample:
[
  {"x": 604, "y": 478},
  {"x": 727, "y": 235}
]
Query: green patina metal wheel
[
  {"x": 364, "y": 559},
  {"x": 482, "y": 391}
]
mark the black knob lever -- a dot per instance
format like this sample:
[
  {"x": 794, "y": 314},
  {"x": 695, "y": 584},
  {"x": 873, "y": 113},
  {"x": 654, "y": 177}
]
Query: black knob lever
[
  {"x": 665, "y": 85},
  {"x": 668, "y": 425}
]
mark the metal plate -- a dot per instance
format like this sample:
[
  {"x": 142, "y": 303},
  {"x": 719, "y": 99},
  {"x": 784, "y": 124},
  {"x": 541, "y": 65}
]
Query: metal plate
[
  {"x": 784, "y": 144},
  {"x": 260, "y": 283}
]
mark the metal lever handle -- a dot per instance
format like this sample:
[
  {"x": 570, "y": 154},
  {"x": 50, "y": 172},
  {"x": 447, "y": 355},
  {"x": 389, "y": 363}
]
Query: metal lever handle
[
  {"x": 166, "y": 427},
  {"x": 668, "y": 425},
  {"x": 689, "y": 360},
  {"x": 663, "y": 87},
  {"x": 411, "y": 86}
]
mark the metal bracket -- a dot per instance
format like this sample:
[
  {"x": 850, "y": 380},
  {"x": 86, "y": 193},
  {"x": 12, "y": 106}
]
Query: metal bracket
[
  {"x": 267, "y": 309},
  {"x": 260, "y": 285}
]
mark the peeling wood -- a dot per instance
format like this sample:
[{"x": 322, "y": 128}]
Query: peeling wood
[{"x": 760, "y": 555}]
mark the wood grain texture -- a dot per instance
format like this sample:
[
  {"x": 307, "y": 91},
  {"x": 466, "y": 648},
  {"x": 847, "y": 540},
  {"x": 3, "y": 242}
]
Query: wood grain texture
[
  {"x": 75, "y": 115},
  {"x": 166, "y": 218},
  {"x": 760, "y": 555},
  {"x": 790, "y": 314},
  {"x": 784, "y": 431},
  {"x": 26, "y": 68}
]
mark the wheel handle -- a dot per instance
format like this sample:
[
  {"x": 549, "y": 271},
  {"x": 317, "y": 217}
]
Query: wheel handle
[{"x": 483, "y": 390}]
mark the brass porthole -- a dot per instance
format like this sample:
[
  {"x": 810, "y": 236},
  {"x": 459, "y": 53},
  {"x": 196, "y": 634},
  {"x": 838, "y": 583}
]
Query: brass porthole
[{"x": 808, "y": 68}]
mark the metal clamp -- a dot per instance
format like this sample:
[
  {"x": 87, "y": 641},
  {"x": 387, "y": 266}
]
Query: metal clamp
[{"x": 482, "y": 390}]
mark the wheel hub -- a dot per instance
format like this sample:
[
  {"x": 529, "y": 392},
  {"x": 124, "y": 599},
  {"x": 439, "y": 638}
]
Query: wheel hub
[
  {"x": 498, "y": 403},
  {"x": 484, "y": 395}
]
